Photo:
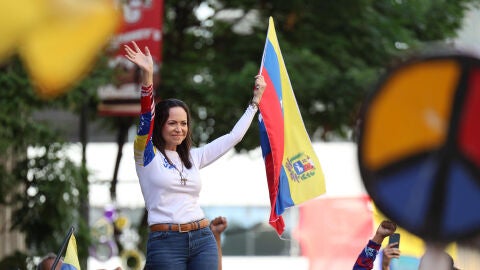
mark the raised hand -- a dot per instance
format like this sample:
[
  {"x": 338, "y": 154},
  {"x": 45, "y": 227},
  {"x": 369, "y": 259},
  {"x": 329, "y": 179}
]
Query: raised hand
[
  {"x": 259, "y": 89},
  {"x": 143, "y": 60},
  {"x": 218, "y": 225},
  {"x": 385, "y": 229}
]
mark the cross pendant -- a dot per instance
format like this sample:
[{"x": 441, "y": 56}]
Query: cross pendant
[{"x": 183, "y": 181}]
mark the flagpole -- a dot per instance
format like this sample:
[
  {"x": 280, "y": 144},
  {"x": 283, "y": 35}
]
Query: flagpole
[
  {"x": 265, "y": 46},
  {"x": 63, "y": 247}
]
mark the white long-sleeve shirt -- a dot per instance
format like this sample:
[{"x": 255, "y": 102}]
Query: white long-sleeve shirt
[{"x": 167, "y": 200}]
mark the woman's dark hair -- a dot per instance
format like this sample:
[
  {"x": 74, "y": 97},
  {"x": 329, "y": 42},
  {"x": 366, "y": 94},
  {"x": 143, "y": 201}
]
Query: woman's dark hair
[{"x": 161, "y": 116}]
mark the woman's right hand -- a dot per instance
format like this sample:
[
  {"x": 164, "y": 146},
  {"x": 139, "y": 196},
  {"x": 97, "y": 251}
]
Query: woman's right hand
[
  {"x": 260, "y": 86},
  {"x": 143, "y": 60}
]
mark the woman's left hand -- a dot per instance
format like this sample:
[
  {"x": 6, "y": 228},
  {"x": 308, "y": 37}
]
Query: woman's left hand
[{"x": 260, "y": 86}]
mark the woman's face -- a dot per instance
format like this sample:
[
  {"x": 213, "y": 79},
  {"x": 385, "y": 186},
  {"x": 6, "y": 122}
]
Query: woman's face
[{"x": 175, "y": 128}]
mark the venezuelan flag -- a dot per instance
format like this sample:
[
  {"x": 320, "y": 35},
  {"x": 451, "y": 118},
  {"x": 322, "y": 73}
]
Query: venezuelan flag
[
  {"x": 71, "y": 256},
  {"x": 294, "y": 174}
]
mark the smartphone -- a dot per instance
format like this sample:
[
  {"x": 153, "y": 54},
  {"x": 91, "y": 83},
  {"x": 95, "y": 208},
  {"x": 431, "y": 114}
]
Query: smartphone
[{"x": 394, "y": 238}]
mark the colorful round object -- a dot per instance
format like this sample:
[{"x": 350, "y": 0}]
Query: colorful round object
[
  {"x": 121, "y": 222},
  {"x": 104, "y": 250},
  {"x": 132, "y": 259},
  {"x": 110, "y": 213},
  {"x": 102, "y": 229},
  {"x": 419, "y": 146}
]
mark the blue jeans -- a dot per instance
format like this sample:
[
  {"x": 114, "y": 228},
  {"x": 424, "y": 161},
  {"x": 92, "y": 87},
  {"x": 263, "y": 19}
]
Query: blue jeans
[{"x": 193, "y": 250}]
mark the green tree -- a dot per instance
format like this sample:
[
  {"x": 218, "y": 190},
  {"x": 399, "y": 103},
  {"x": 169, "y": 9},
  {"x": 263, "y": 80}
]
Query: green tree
[
  {"x": 45, "y": 188},
  {"x": 334, "y": 52}
]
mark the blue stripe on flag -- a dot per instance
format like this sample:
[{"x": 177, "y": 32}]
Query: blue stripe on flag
[
  {"x": 264, "y": 142},
  {"x": 284, "y": 199},
  {"x": 272, "y": 65}
]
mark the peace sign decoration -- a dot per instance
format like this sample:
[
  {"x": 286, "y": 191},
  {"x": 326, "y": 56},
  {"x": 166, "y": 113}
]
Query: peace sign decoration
[{"x": 419, "y": 146}]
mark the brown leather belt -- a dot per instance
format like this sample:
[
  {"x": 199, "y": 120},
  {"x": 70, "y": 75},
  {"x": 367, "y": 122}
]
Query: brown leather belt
[{"x": 186, "y": 227}]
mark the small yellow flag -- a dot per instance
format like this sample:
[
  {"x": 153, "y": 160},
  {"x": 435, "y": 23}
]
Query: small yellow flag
[{"x": 71, "y": 256}]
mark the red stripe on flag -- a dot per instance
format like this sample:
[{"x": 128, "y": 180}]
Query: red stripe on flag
[
  {"x": 275, "y": 220},
  {"x": 272, "y": 116}
]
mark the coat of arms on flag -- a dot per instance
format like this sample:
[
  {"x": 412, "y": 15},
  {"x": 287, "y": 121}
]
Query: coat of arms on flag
[{"x": 293, "y": 171}]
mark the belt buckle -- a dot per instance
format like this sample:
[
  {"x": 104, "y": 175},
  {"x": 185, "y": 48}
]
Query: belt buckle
[{"x": 180, "y": 228}]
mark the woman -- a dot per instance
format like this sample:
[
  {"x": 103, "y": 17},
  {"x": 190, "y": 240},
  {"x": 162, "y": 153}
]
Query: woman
[{"x": 168, "y": 171}]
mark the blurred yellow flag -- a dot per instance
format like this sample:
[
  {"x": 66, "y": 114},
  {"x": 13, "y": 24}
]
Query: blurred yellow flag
[
  {"x": 58, "y": 40},
  {"x": 16, "y": 19}
]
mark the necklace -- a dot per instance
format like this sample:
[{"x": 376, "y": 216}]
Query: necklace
[{"x": 183, "y": 179}]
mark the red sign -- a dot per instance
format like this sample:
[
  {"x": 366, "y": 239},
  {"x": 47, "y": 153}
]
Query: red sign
[
  {"x": 333, "y": 231},
  {"x": 142, "y": 23}
]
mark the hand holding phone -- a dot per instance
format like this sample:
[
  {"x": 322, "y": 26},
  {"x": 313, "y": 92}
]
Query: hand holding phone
[{"x": 394, "y": 238}]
